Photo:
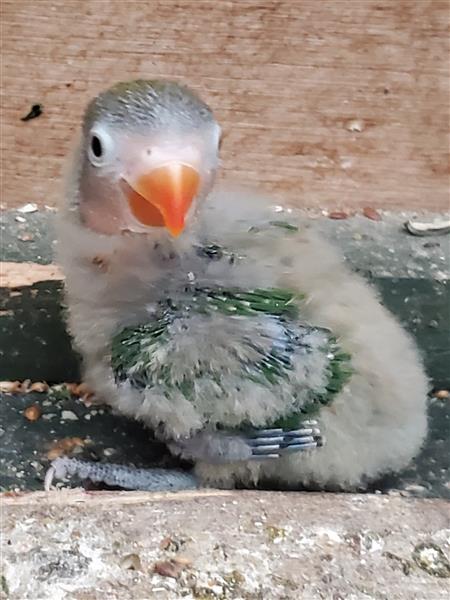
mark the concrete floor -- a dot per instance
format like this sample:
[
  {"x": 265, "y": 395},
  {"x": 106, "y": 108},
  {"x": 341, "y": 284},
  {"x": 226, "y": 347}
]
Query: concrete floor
[{"x": 224, "y": 545}]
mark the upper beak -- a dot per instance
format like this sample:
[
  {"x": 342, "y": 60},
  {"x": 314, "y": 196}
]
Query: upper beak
[{"x": 163, "y": 196}]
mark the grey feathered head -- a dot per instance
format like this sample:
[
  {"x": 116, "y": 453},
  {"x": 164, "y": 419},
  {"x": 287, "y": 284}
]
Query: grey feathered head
[
  {"x": 152, "y": 103},
  {"x": 149, "y": 152}
]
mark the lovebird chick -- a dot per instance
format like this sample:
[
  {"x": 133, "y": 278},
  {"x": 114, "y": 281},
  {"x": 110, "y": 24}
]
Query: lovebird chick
[{"x": 233, "y": 331}]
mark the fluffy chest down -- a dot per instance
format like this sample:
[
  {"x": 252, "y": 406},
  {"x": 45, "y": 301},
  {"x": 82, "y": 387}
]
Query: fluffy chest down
[{"x": 237, "y": 357}]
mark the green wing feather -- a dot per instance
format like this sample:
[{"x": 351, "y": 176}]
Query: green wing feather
[{"x": 133, "y": 346}]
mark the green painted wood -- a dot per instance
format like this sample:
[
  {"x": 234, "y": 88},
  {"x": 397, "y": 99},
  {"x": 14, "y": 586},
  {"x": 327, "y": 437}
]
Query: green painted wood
[
  {"x": 423, "y": 307},
  {"x": 34, "y": 343}
]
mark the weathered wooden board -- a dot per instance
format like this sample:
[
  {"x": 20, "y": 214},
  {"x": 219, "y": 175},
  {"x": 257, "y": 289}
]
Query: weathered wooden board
[
  {"x": 229, "y": 545},
  {"x": 292, "y": 81}
]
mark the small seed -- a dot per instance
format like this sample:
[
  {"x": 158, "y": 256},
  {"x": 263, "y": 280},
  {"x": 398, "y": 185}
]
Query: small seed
[
  {"x": 10, "y": 387},
  {"x": 39, "y": 386},
  {"x": 64, "y": 446},
  {"x": 33, "y": 412},
  {"x": 338, "y": 215},
  {"x": 371, "y": 213},
  {"x": 168, "y": 568},
  {"x": 442, "y": 394}
]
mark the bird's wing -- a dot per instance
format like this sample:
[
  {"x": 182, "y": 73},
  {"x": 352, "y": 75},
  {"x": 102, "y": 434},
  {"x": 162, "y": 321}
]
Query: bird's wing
[{"x": 215, "y": 337}]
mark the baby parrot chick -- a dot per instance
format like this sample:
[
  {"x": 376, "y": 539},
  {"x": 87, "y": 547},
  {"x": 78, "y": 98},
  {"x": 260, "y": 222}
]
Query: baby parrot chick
[{"x": 233, "y": 331}]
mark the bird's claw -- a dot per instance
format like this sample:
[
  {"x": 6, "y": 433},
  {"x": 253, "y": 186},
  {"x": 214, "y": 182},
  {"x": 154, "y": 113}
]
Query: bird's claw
[
  {"x": 60, "y": 468},
  {"x": 278, "y": 442},
  {"x": 49, "y": 477}
]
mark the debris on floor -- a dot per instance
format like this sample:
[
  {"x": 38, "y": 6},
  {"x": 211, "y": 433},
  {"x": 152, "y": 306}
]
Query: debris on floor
[
  {"x": 371, "y": 213},
  {"x": 338, "y": 215},
  {"x": 31, "y": 207},
  {"x": 35, "y": 111},
  {"x": 421, "y": 228}
]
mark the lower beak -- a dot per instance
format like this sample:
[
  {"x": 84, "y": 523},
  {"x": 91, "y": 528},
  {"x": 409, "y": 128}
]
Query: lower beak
[{"x": 163, "y": 196}]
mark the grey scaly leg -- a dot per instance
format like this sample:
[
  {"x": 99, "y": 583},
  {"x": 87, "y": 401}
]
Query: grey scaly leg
[{"x": 129, "y": 478}]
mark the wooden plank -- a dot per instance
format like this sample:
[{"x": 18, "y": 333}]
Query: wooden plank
[
  {"x": 15, "y": 275},
  {"x": 230, "y": 545},
  {"x": 290, "y": 80},
  {"x": 69, "y": 497}
]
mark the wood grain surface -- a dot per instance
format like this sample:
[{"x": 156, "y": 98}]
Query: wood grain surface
[{"x": 332, "y": 103}]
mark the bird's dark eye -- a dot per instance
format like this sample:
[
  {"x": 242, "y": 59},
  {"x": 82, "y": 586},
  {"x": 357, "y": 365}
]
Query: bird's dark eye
[
  {"x": 101, "y": 147},
  {"x": 96, "y": 146}
]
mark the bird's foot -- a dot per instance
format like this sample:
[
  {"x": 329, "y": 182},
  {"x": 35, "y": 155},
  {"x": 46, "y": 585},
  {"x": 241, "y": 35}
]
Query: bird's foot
[
  {"x": 222, "y": 447},
  {"x": 212, "y": 447},
  {"x": 129, "y": 478},
  {"x": 278, "y": 442}
]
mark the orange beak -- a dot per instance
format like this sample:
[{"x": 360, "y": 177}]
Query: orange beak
[{"x": 163, "y": 196}]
